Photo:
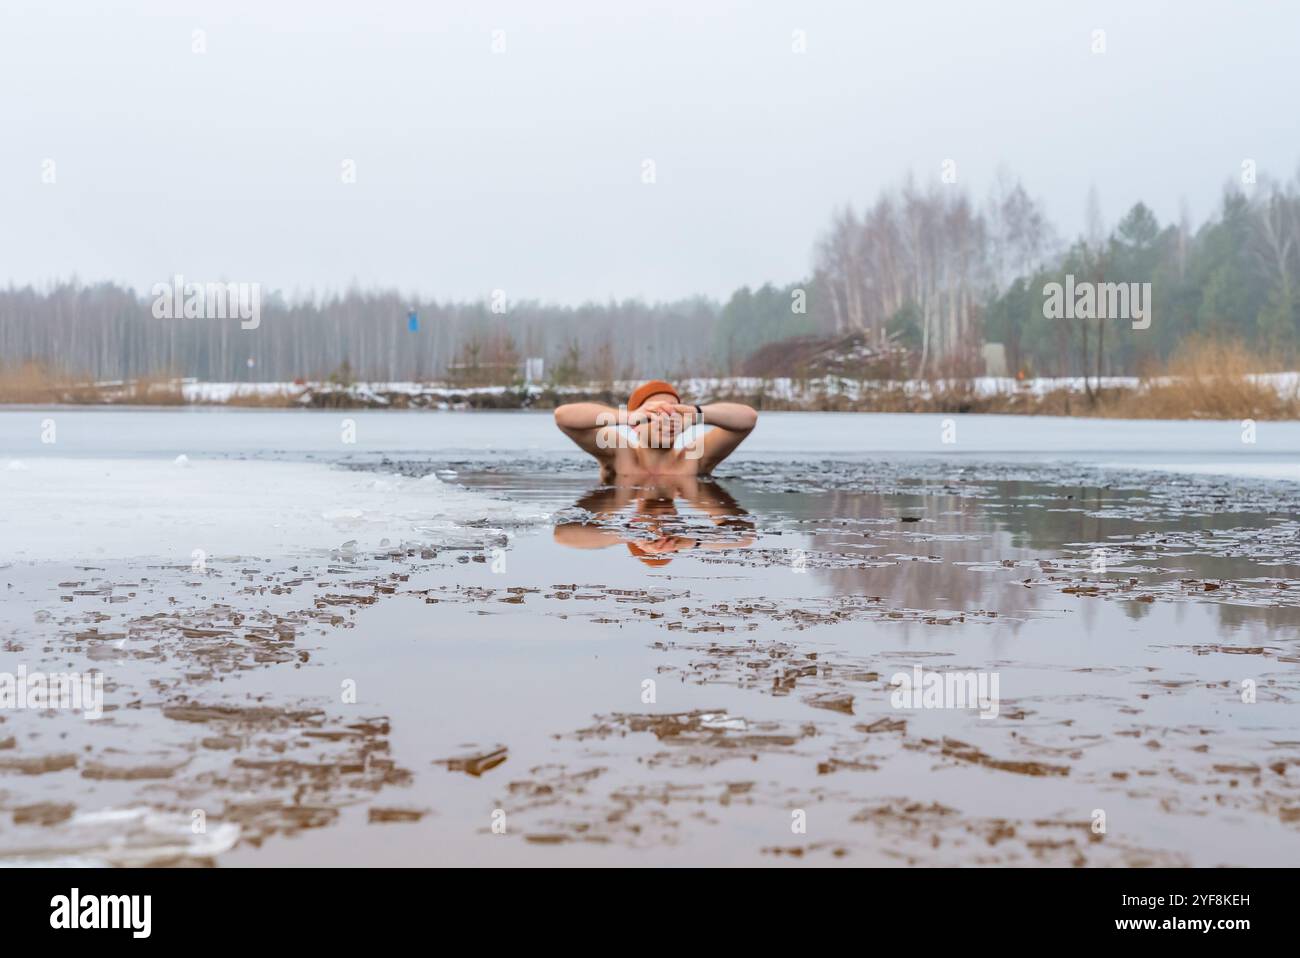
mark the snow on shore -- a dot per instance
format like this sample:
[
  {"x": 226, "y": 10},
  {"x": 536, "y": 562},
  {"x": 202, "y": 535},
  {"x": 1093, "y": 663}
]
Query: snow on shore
[{"x": 782, "y": 388}]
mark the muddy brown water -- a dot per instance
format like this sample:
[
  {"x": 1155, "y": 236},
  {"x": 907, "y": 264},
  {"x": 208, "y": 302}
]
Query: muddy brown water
[{"x": 691, "y": 676}]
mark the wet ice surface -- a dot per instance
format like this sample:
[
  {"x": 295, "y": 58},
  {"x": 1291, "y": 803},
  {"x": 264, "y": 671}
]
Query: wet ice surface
[
  {"x": 500, "y": 662},
  {"x": 1266, "y": 448},
  {"x": 166, "y": 509}
]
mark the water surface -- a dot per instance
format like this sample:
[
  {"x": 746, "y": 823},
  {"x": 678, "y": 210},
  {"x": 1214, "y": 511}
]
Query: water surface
[{"x": 510, "y": 663}]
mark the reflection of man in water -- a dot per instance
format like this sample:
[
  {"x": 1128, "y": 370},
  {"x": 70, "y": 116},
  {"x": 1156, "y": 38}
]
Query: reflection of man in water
[{"x": 653, "y": 529}]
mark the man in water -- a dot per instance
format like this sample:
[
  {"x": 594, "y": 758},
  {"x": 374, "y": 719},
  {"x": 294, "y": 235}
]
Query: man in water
[{"x": 655, "y": 416}]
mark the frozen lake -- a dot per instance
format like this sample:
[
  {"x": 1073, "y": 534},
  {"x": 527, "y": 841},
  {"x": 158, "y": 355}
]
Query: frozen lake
[
  {"x": 371, "y": 637},
  {"x": 1226, "y": 447}
]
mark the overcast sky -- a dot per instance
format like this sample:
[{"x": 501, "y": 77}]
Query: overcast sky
[{"x": 523, "y": 170}]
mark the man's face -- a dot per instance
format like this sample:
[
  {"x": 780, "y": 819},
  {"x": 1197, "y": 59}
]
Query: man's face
[{"x": 663, "y": 424}]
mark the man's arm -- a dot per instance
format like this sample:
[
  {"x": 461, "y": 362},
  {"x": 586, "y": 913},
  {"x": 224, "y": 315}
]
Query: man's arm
[
  {"x": 583, "y": 421},
  {"x": 734, "y": 421}
]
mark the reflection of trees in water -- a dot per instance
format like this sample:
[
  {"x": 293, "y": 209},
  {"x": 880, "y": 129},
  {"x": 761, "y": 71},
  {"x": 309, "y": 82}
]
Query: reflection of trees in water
[
  {"x": 1027, "y": 521},
  {"x": 1137, "y": 611},
  {"x": 1051, "y": 531},
  {"x": 945, "y": 585},
  {"x": 1237, "y": 623},
  {"x": 1263, "y": 624},
  {"x": 1047, "y": 520}
]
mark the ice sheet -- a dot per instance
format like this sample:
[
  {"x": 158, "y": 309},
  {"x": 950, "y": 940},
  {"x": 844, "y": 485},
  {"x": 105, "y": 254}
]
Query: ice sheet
[{"x": 170, "y": 510}]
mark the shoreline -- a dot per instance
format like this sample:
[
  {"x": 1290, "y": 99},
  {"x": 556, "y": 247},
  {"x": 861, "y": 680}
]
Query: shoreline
[{"x": 1267, "y": 397}]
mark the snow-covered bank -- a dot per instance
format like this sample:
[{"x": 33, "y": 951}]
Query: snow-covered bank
[
  {"x": 185, "y": 511},
  {"x": 1209, "y": 394},
  {"x": 783, "y": 388}
]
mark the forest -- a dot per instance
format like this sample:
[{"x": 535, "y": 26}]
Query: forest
[{"x": 927, "y": 271}]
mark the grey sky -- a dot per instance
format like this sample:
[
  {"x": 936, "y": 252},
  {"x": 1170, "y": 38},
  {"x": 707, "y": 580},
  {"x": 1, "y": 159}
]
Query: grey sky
[{"x": 523, "y": 170}]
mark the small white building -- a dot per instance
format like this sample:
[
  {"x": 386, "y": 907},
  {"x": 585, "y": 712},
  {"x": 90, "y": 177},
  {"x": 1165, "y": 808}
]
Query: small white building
[{"x": 995, "y": 359}]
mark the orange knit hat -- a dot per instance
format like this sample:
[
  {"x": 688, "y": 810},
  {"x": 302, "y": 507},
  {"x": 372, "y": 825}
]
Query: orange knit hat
[{"x": 648, "y": 389}]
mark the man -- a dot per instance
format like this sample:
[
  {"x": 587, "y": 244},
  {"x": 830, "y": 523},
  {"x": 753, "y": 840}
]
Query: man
[{"x": 655, "y": 416}]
